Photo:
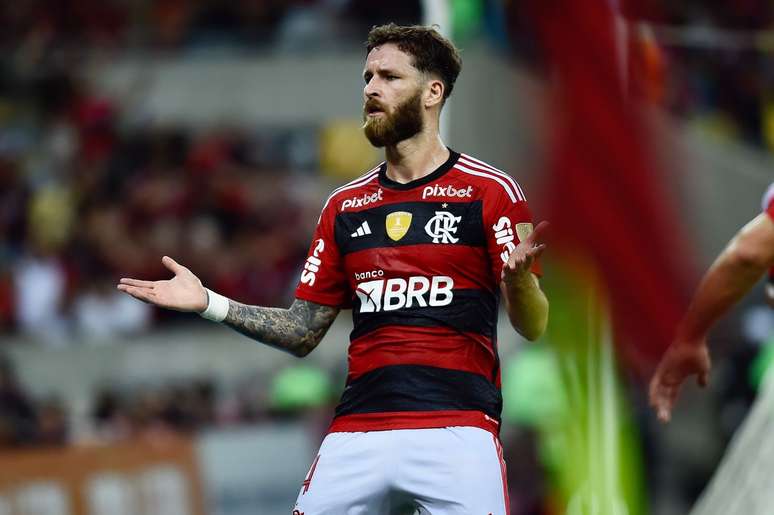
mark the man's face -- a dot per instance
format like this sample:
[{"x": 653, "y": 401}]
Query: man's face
[{"x": 393, "y": 108}]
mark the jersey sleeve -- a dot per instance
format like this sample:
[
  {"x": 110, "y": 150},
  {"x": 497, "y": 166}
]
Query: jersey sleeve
[
  {"x": 768, "y": 208},
  {"x": 506, "y": 221},
  {"x": 323, "y": 280},
  {"x": 768, "y": 201}
]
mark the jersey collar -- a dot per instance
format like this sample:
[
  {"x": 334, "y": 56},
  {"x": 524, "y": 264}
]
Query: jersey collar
[{"x": 435, "y": 174}]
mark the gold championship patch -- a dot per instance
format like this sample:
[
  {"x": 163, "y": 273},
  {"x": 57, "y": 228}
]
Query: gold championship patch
[
  {"x": 397, "y": 224},
  {"x": 523, "y": 230}
]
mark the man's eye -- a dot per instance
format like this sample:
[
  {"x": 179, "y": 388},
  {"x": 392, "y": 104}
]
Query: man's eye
[{"x": 392, "y": 77}]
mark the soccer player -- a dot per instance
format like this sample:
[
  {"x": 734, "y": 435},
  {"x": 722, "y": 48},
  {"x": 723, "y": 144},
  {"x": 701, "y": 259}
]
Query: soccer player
[
  {"x": 421, "y": 248},
  {"x": 734, "y": 273}
]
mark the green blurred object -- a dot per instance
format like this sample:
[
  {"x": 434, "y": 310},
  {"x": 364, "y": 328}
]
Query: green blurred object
[
  {"x": 571, "y": 394},
  {"x": 761, "y": 365},
  {"x": 300, "y": 387},
  {"x": 533, "y": 394},
  {"x": 466, "y": 18}
]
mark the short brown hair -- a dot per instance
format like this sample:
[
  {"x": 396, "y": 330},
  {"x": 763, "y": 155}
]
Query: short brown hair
[{"x": 432, "y": 52}]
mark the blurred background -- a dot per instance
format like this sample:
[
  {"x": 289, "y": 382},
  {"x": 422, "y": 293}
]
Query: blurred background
[{"x": 213, "y": 132}]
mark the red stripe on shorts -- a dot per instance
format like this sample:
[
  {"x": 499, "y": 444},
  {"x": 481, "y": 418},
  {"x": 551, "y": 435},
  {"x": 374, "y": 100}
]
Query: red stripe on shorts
[
  {"x": 504, "y": 474},
  {"x": 308, "y": 481}
]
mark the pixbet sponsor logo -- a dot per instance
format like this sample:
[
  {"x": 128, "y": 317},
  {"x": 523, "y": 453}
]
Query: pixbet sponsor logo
[
  {"x": 397, "y": 293},
  {"x": 312, "y": 265},
  {"x": 446, "y": 191},
  {"x": 362, "y": 200},
  {"x": 504, "y": 236}
]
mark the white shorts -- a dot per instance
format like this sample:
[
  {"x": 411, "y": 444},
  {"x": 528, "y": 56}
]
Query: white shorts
[{"x": 444, "y": 471}]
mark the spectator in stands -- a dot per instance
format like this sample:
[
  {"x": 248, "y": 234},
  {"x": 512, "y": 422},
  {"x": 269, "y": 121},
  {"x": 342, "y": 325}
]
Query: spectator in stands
[{"x": 18, "y": 420}]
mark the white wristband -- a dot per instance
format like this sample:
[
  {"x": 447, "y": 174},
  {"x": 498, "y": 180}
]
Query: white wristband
[{"x": 217, "y": 307}]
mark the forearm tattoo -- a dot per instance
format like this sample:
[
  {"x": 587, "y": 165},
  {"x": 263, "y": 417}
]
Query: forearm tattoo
[{"x": 296, "y": 330}]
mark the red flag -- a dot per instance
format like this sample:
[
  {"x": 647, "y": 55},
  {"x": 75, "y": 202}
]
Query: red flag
[{"x": 606, "y": 199}]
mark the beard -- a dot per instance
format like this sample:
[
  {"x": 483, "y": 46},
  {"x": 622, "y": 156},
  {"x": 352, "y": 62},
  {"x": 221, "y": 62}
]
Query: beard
[{"x": 390, "y": 129}]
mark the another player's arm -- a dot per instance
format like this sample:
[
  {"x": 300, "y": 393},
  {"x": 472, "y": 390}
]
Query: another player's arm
[
  {"x": 296, "y": 330},
  {"x": 525, "y": 302},
  {"x": 734, "y": 272},
  {"x": 741, "y": 264}
]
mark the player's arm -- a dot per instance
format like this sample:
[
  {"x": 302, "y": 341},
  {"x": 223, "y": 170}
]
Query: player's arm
[
  {"x": 525, "y": 302},
  {"x": 296, "y": 330},
  {"x": 734, "y": 273},
  {"x": 731, "y": 276}
]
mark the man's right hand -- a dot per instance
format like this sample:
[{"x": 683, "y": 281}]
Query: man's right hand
[
  {"x": 681, "y": 360},
  {"x": 184, "y": 292}
]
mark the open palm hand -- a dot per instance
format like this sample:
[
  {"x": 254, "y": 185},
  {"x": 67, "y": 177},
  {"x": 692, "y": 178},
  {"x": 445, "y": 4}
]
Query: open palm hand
[{"x": 183, "y": 292}]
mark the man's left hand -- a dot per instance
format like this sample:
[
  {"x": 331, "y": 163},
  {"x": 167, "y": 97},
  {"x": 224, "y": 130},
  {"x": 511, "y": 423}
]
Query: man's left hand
[{"x": 519, "y": 265}]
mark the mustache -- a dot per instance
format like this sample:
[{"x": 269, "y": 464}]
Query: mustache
[{"x": 372, "y": 105}]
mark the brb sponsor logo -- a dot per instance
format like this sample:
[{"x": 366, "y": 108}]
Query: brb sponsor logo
[
  {"x": 397, "y": 293},
  {"x": 312, "y": 265},
  {"x": 362, "y": 201},
  {"x": 504, "y": 236},
  {"x": 446, "y": 191}
]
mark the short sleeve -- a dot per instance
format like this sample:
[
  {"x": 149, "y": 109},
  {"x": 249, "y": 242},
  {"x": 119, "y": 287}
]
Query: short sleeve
[
  {"x": 768, "y": 201},
  {"x": 323, "y": 280},
  {"x": 506, "y": 222},
  {"x": 768, "y": 208}
]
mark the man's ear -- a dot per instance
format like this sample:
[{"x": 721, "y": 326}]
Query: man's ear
[{"x": 434, "y": 92}]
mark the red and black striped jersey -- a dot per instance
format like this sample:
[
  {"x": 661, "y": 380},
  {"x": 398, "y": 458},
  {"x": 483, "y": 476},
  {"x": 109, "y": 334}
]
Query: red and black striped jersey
[{"x": 419, "y": 264}]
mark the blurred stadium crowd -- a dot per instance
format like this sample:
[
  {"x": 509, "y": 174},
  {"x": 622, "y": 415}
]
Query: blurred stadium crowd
[
  {"x": 720, "y": 66},
  {"x": 41, "y": 26},
  {"x": 86, "y": 198},
  {"x": 121, "y": 411},
  {"x": 85, "y": 202}
]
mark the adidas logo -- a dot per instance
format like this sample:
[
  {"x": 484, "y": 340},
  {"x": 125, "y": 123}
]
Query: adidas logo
[{"x": 362, "y": 230}]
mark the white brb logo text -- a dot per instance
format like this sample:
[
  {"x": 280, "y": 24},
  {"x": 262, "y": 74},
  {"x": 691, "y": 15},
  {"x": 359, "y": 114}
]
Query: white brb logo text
[
  {"x": 363, "y": 200},
  {"x": 397, "y": 293},
  {"x": 442, "y": 226},
  {"x": 504, "y": 236},
  {"x": 312, "y": 265},
  {"x": 446, "y": 191}
]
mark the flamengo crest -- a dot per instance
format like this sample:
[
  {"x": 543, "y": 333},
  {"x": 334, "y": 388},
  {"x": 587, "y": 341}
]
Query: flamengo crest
[{"x": 442, "y": 226}]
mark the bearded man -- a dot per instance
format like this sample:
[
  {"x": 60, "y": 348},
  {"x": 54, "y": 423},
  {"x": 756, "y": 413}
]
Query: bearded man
[{"x": 421, "y": 249}]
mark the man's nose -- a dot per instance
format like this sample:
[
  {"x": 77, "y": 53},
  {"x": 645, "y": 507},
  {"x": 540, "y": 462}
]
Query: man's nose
[{"x": 370, "y": 90}]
